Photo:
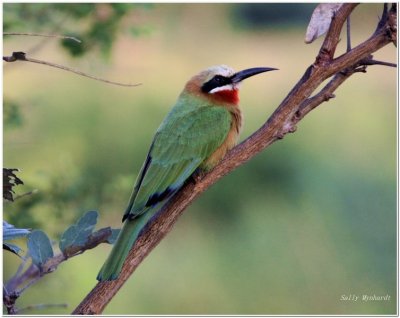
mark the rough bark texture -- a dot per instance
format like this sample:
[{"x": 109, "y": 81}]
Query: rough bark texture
[{"x": 293, "y": 108}]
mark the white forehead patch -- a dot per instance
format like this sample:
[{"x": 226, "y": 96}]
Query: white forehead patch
[{"x": 223, "y": 70}]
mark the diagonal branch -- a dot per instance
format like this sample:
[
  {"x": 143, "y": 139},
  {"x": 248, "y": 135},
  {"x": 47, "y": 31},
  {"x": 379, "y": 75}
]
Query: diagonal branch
[
  {"x": 323, "y": 96},
  {"x": 293, "y": 108},
  {"x": 40, "y": 306},
  {"x": 21, "y": 56},
  {"x": 33, "y": 273}
]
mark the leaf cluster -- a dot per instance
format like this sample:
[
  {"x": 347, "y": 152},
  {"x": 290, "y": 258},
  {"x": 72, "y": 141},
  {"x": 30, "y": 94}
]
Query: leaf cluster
[
  {"x": 95, "y": 24},
  {"x": 75, "y": 240}
]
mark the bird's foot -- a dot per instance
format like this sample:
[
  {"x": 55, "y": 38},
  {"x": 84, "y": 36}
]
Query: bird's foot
[{"x": 197, "y": 176}]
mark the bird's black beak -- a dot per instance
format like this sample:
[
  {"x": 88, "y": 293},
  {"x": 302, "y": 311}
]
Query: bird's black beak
[{"x": 240, "y": 76}]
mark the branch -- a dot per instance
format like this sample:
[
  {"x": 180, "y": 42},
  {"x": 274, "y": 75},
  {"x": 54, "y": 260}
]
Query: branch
[
  {"x": 323, "y": 96},
  {"x": 32, "y": 274},
  {"x": 348, "y": 33},
  {"x": 40, "y": 306},
  {"x": 65, "y": 37},
  {"x": 294, "y": 107},
  {"x": 9, "y": 300},
  {"x": 374, "y": 62},
  {"x": 21, "y": 56},
  {"x": 19, "y": 196}
]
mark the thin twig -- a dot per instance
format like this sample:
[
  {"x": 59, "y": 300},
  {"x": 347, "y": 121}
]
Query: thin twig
[
  {"x": 41, "y": 306},
  {"x": 29, "y": 284},
  {"x": 17, "y": 197},
  {"x": 32, "y": 274},
  {"x": 348, "y": 34},
  {"x": 65, "y": 37},
  {"x": 9, "y": 300},
  {"x": 21, "y": 266},
  {"x": 383, "y": 19},
  {"x": 56, "y": 28},
  {"x": 26, "y": 275},
  {"x": 324, "y": 95},
  {"x": 21, "y": 56},
  {"x": 375, "y": 62},
  {"x": 392, "y": 23},
  {"x": 5, "y": 291}
]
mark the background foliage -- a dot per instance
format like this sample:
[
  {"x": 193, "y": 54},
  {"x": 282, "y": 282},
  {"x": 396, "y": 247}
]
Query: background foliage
[{"x": 308, "y": 220}]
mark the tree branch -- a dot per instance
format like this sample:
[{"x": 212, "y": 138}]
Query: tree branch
[
  {"x": 21, "y": 56},
  {"x": 348, "y": 34},
  {"x": 33, "y": 273},
  {"x": 40, "y": 306},
  {"x": 66, "y": 37},
  {"x": 293, "y": 108}
]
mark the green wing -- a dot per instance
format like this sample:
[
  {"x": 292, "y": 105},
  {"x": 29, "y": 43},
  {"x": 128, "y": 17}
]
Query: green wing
[{"x": 184, "y": 140}]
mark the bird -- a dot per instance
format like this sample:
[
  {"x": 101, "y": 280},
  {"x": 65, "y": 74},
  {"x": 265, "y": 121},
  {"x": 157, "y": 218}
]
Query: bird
[{"x": 199, "y": 130}]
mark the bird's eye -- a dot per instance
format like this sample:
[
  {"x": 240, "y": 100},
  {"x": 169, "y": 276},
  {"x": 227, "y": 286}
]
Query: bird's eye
[{"x": 216, "y": 81}]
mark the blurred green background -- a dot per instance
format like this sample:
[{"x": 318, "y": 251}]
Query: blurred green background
[{"x": 308, "y": 220}]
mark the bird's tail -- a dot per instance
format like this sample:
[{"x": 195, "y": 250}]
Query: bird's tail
[{"x": 128, "y": 235}]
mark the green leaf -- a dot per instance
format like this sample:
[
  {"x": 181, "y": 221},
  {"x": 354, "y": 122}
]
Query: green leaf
[
  {"x": 10, "y": 232},
  {"x": 39, "y": 247},
  {"x": 114, "y": 235},
  {"x": 77, "y": 234}
]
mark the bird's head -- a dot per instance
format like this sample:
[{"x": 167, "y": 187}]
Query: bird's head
[{"x": 220, "y": 83}]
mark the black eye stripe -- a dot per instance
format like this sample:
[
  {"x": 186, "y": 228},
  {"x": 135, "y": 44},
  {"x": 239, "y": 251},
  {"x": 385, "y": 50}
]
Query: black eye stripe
[
  {"x": 216, "y": 81},
  {"x": 219, "y": 79}
]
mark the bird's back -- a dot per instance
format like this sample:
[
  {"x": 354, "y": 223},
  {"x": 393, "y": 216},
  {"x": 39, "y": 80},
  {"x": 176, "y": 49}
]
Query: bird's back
[{"x": 193, "y": 132}]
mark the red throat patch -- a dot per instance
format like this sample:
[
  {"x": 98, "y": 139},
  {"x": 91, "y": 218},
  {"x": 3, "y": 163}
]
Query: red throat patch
[{"x": 228, "y": 96}]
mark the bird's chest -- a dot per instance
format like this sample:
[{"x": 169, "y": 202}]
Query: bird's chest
[
  {"x": 230, "y": 96},
  {"x": 229, "y": 142}
]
